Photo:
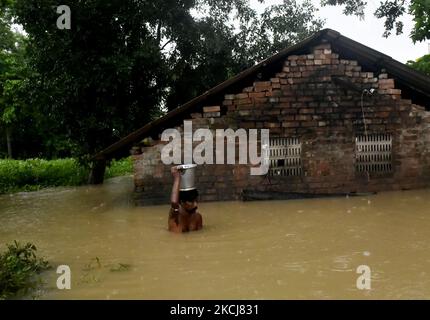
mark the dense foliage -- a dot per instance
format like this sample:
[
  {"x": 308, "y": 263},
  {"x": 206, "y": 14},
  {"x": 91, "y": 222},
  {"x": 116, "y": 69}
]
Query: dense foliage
[
  {"x": 119, "y": 168},
  {"x": 421, "y": 64},
  {"x": 34, "y": 174},
  {"x": 19, "y": 267}
]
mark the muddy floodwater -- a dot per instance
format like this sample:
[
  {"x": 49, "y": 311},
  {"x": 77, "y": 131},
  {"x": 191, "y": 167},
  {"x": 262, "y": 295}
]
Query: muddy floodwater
[{"x": 255, "y": 250}]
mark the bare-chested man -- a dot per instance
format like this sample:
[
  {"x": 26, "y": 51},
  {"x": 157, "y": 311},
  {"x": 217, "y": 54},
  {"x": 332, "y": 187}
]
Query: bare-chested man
[{"x": 183, "y": 216}]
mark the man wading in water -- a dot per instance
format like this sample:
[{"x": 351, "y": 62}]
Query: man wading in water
[{"x": 183, "y": 216}]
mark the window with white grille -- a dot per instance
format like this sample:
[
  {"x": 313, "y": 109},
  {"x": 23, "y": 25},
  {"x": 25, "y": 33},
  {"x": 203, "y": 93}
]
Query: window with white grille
[
  {"x": 373, "y": 153},
  {"x": 285, "y": 157}
]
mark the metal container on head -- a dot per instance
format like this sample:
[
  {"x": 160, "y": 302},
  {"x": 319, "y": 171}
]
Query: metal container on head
[{"x": 187, "y": 176}]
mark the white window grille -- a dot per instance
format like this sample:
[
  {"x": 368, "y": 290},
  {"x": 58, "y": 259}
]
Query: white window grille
[
  {"x": 373, "y": 153},
  {"x": 285, "y": 157}
]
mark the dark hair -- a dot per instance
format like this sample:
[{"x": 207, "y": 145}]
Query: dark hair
[{"x": 189, "y": 195}]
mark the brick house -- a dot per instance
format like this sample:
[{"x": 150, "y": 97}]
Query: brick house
[{"x": 328, "y": 133}]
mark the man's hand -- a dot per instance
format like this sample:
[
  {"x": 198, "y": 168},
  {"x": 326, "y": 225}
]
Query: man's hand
[{"x": 176, "y": 173}]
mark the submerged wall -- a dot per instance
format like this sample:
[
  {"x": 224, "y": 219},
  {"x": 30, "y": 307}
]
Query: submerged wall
[{"x": 306, "y": 100}]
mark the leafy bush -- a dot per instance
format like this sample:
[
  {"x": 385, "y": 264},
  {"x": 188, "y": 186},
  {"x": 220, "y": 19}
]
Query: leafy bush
[
  {"x": 119, "y": 168},
  {"x": 34, "y": 174},
  {"x": 421, "y": 64},
  {"x": 18, "y": 269}
]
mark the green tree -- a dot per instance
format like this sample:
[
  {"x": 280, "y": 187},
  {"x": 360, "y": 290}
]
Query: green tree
[
  {"x": 421, "y": 64},
  {"x": 12, "y": 73},
  {"x": 392, "y": 11},
  {"x": 99, "y": 80},
  {"x": 6, "y": 34}
]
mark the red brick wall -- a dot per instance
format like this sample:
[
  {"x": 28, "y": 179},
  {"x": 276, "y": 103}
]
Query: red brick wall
[{"x": 302, "y": 100}]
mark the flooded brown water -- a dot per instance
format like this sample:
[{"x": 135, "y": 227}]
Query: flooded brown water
[{"x": 256, "y": 250}]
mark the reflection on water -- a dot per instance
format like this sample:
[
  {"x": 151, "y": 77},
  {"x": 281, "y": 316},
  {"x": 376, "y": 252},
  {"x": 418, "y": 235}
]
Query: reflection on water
[{"x": 258, "y": 250}]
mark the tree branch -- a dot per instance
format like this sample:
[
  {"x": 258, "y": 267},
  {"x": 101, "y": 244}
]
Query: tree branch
[
  {"x": 164, "y": 45},
  {"x": 159, "y": 32}
]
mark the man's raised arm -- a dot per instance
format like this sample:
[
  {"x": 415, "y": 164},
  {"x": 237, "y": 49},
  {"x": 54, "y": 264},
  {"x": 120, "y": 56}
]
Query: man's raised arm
[{"x": 174, "y": 198}]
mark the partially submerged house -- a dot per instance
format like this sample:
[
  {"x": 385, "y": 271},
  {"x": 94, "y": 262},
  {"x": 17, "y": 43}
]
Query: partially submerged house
[{"x": 343, "y": 118}]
